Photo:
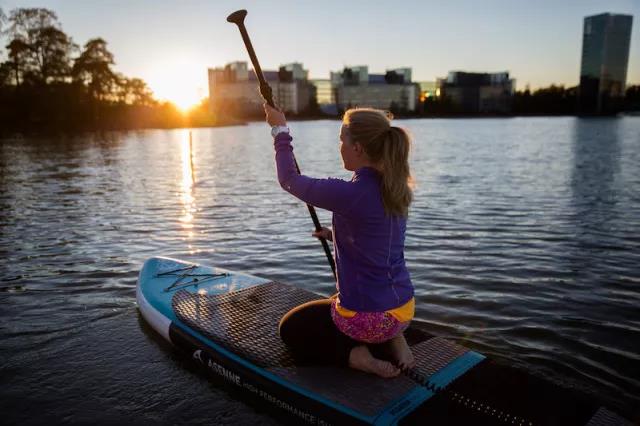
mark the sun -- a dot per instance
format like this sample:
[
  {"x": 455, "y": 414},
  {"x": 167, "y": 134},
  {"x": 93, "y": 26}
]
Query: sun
[
  {"x": 181, "y": 98},
  {"x": 179, "y": 82}
]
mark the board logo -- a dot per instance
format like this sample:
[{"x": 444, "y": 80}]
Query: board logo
[{"x": 206, "y": 360}]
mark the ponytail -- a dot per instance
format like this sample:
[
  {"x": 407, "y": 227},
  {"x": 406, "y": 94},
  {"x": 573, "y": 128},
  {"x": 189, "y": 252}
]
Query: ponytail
[
  {"x": 388, "y": 148},
  {"x": 397, "y": 182}
]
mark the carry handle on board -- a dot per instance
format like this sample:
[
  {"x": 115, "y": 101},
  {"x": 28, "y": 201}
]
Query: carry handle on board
[{"x": 237, "y": 18}]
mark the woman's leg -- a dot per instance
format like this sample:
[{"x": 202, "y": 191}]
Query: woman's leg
[
  {"x": 312, "y": 336},
  {"x": 384, "y": 333},
  {"x": 309, "y": 332}
]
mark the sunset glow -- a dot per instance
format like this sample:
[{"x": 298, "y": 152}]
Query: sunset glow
[
  {"x": 188, "y": 180},
  {"x": 178, "y": 81}
]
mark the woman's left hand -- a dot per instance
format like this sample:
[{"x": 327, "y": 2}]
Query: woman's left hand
[
  {"x": 325, "y": 233},
  {"x": 274, "y": 117}
]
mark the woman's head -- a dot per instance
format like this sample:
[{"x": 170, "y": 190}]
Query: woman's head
[{"x": 369, "y": 137}]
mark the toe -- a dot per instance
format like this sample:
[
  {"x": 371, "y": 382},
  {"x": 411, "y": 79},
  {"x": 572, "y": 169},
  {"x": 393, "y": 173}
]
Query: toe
[{"x": 389, "y": 370}]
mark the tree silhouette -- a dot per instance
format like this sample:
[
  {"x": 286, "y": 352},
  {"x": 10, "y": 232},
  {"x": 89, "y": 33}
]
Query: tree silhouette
[
  {"x": 18, "y": 59},
  {"x": 26, "y": 22},
  {"x": 93, "y": 69},
  {"x": 39, "y": 51},
  {"x": 52, "y": 51},
  {"x": 134, "y": 91}
]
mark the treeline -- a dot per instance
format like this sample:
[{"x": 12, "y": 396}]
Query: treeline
[
  {"x": 552, "y": 100},
  {"x": 564, "y": 101},
  {"x": 49, "y": 84}
]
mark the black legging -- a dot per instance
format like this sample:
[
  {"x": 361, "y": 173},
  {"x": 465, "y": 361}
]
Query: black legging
[{"x": 310, "y": 333}]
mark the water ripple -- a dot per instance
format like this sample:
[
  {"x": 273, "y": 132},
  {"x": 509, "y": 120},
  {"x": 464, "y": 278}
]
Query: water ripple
[{"x": 523, "y": 243}]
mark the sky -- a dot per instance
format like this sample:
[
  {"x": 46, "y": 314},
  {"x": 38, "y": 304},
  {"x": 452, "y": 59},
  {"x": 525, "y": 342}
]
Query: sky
[{"x": 170, "y": 44}]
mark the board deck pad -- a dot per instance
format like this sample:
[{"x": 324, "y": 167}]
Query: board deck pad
[
  {"x": 365, "y": 392},
  {"x": 246, "y": 323},
  {"x": 237, "y": 315}
]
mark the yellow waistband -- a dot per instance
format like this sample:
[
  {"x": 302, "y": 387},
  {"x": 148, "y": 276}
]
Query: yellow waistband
[{"x": 402, "y": 313}]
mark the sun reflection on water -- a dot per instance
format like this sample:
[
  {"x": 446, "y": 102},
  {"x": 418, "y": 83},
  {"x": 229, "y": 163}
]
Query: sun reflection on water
[{"x": 188, "y": 182}]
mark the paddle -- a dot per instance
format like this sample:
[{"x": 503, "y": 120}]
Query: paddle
[{"x": 237, "y": 18}]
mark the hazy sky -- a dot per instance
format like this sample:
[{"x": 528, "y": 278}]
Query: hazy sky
[{"x": 170, "y": 44}]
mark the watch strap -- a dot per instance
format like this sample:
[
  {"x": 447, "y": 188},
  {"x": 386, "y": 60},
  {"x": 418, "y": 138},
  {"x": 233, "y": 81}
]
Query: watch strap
[{"x": 276, "y": 130}]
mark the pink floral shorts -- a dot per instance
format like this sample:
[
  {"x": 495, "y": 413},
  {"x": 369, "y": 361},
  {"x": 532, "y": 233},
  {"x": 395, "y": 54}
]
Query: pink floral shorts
[{"x": 368, "y": 327}]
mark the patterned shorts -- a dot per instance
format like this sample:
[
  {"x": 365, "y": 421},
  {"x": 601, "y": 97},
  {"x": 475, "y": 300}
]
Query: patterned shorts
[{"x": 368, "y": 327}]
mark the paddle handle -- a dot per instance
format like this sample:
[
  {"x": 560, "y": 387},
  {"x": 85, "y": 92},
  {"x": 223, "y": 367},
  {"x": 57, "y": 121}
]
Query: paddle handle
[
  {"x": 265, "y": 89},
  {"x": 266, "y": 92}
]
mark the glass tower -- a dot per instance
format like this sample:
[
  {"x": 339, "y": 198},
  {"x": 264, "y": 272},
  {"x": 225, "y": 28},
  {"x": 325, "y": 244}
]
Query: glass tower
[{"x": 605, "y": 55}]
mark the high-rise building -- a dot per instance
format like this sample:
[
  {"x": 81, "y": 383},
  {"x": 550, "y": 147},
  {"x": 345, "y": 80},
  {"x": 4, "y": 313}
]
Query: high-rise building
[{"x": 605, "y": 56}]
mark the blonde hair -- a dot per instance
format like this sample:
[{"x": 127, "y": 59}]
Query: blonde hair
[{"x": 388, "y": 149}]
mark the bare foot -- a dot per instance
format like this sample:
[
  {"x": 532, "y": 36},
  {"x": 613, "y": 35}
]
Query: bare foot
[
  {"x": 401, "y": 352},
  {"x": 361, "y": 359}
]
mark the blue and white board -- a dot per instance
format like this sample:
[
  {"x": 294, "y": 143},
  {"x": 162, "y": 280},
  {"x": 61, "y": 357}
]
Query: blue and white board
[
  {"x": 227, "y": 322},
  {"x": 161, "y": 277}
]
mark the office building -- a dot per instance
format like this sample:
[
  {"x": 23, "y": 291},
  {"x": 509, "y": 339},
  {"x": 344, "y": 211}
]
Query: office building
[
  {"x": 606, "y": 41},
  {"x": 474, "y": 93},
  {"x": 325, "y": 96},
  {"x": 234, "y": 89},
  {"x": 394, "y": 90}
]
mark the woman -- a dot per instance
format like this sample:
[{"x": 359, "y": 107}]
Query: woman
[{"x": 375, "y": 303}]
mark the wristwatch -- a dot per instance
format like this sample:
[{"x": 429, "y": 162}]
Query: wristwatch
[{"x": 276, "y": 130}]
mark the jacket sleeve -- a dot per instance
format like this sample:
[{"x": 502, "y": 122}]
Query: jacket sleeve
[{"x": 331, "y": 194}]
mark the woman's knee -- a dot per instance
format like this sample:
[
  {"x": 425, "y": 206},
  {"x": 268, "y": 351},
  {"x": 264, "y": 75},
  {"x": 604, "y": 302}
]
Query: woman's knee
[{"x": 299, "y": 320}]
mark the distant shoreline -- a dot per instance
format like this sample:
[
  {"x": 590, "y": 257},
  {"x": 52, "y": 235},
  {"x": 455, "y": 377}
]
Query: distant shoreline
[{"x": 41, "y": 132}]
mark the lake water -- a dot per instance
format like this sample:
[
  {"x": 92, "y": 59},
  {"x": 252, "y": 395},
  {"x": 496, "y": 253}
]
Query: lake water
[{"x": 523, "y": 242}]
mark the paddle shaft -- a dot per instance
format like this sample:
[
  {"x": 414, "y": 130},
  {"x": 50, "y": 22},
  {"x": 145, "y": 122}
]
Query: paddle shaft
[{"x": 265, "y": 91}]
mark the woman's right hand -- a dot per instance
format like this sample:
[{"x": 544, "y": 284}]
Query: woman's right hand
[
  {"x": 325, "y": 233},
  {"x": 274, "y": 116}
]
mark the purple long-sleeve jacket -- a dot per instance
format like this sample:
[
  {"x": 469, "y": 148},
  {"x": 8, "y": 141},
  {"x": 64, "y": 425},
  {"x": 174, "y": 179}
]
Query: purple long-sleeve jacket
[{"x": 368, "y": 244}]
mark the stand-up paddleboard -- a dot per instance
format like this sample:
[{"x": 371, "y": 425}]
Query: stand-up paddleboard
[{"x": 227, "y": 322}]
